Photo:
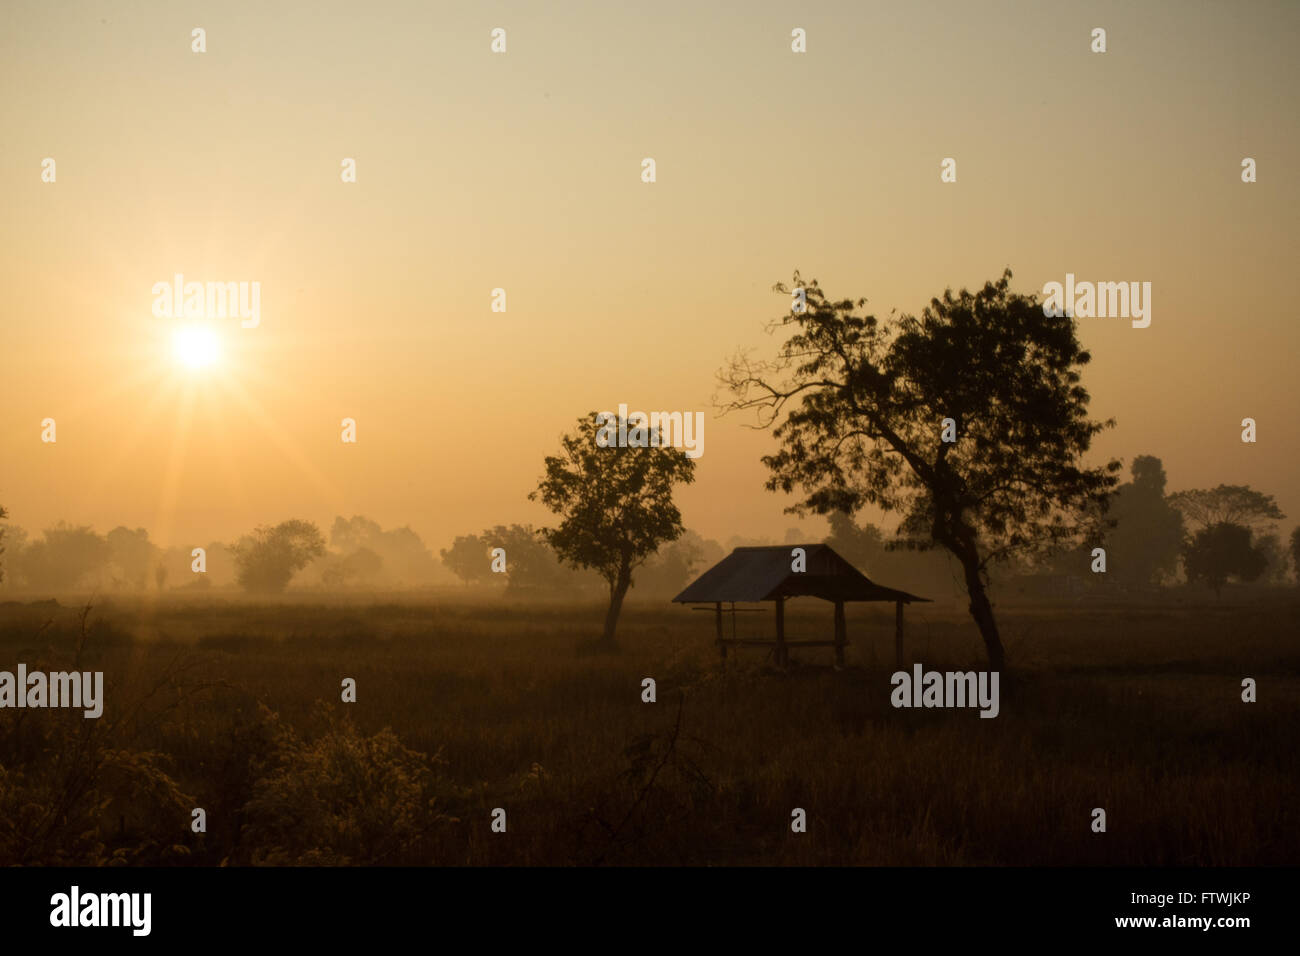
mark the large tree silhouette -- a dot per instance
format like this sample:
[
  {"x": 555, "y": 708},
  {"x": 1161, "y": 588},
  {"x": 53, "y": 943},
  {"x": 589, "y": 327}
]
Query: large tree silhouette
[
  {"x": 615, "y": 504},
  {"x": 1147, "y": 535},
  {"x": 864, "y": 405}
]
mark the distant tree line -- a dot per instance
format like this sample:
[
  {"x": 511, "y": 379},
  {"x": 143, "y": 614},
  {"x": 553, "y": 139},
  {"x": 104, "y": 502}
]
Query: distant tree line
[
  {"x": 359, "y": 554},
  {"x": 1205, "y": 538}
]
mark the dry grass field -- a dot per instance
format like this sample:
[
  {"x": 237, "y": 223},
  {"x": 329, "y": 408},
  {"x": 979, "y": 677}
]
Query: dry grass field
[{"x": 465, "y": 705}]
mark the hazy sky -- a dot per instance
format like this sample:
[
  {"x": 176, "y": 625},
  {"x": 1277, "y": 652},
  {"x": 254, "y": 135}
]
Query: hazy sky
[{"x": 522, "y": 170}]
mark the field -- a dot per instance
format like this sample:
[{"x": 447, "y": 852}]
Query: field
[{"x": 467, "y": 705}]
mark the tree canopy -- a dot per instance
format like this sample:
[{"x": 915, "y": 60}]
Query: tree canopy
[
  {"x": 615, "y": 505},
  {"x": 1146, "y": 535},
  {"x": 1223, "y": 551},
  {"x": 970, "y": 420},
  {"x": 267, "y": 559},
  {"x": 1227, "y": 504},
  {"x": 1295, "y": 552}
]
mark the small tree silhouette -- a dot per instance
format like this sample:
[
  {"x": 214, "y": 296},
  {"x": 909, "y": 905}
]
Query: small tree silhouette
[
  {"x": 1227, "y": 504},
  {"x": 616, "y": 504},
  {"x": 267, "y": 559},
  {"x": 1222, "y": 551}
]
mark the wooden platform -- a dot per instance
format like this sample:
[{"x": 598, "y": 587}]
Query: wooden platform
[{"x": 782, "y": 646}]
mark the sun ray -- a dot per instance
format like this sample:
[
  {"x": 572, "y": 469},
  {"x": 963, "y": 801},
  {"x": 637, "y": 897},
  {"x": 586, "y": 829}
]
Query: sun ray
[
  {"x": 287, "y": 447},
  {"x": 233, "y": 480},
  {"x": 131, "y": 440},
  {"x": 175, "y": 465}
]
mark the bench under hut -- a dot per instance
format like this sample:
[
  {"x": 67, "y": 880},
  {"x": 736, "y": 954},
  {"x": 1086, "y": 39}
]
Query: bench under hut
[{"x": 777, "y": 573}]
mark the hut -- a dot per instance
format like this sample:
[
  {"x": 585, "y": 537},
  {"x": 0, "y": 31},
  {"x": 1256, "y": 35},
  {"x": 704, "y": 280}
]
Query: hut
[{"x": 779, "y": 572}]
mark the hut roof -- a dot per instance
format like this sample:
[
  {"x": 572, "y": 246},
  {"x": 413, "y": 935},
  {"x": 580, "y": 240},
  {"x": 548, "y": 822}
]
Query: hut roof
[{"x": 764, "y": 574}]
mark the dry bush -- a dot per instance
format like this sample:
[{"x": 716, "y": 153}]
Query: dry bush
[{"x": 341, "y": 798}]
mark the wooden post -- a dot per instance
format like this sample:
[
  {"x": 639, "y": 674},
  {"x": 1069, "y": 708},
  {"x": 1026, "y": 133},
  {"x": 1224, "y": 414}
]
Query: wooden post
[
  {"x": 841, "y": 634},
  {"x": 717, "y": 618},
  {"x": 898, "y": 634},
  {"x": 782, "y": 653}
]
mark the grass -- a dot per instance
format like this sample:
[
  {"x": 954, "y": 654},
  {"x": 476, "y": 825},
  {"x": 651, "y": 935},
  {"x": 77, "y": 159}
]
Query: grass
[{"x": 236, "y": 708}]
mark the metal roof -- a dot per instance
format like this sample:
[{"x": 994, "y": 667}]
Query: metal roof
[{"x": 764, "y": 574}]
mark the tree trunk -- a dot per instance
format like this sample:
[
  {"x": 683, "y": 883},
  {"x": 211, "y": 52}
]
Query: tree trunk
[
  {"x": 982, "y": 611},
  {"x": 617, "y": 591}
]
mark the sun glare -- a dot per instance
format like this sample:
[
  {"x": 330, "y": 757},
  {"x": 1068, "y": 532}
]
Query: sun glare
[{"x": 195, "y": 346}]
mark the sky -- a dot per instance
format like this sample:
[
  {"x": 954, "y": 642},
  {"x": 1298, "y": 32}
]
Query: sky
[{"x": 522, "y": 170}]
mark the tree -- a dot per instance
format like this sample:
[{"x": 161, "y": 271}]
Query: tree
[
  {"x": 615, "y": 504},
  {"x": 1222, "y": 551},
  {"x": 361, "y": 566},
  {"x": 63, "y": 557},
  {"x": 3, "y": 514},
  {"x": 862, "y": 546},
  {"x": 1295, "y": 553},
  {"x": 132, "y": 554},
  {"x": 1146, "y": 538},
  {"x": 1227, "y": 504},
  {"x": 673, "y": 565},
  {"x": 405, "y": 558},
  {"x": 347, "y": 535},
  {"x": 220, "y": 564},
  {"x": 267, "y": 559},
  {"x": 876, "y": 401},
  {"x": 530, "y": 564},
  {"x": 898, "y": 562},
  {"x": 467, "y": 558},
  {"x": 1275, "y": 559}
]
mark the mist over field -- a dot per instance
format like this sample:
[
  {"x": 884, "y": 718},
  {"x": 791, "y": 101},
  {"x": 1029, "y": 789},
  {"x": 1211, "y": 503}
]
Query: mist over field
[
  {"x": 689, "y": 434},
  {"x": 464, "y": 705}
]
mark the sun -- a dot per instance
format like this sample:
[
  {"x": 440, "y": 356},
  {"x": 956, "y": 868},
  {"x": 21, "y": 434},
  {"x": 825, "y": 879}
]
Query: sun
[{"x": 196, "y": 346}]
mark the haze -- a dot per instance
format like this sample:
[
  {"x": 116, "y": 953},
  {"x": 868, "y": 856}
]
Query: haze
[{"x": 522, "y": 171}]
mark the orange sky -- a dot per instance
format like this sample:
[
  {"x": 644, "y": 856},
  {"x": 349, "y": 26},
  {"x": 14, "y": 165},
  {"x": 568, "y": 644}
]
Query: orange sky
[{"x": 522, "y": 170}]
